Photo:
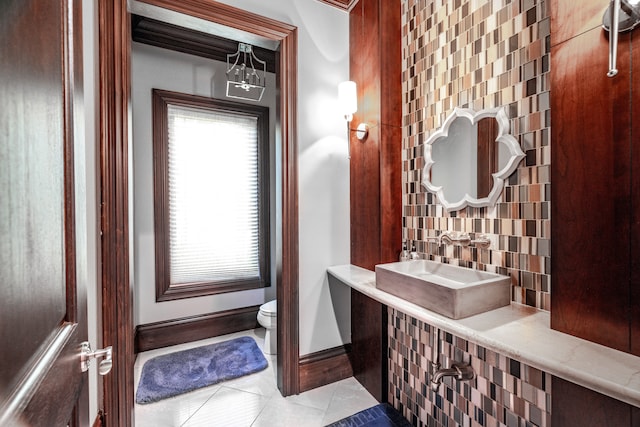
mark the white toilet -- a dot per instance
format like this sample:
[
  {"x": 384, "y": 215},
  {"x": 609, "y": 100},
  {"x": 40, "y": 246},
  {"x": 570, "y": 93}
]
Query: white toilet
[{"x": 267, "y": 317}]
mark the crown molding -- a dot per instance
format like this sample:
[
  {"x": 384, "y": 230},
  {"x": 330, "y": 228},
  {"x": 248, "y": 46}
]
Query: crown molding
[{"x": 341, "y": 4}]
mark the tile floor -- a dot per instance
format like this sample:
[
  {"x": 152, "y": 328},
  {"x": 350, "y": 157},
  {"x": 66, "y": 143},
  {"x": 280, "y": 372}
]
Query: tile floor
[{"x": 253, "y": 400}]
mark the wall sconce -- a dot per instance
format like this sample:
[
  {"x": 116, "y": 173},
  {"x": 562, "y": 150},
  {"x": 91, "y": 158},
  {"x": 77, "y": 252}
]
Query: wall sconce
[{"x": 348, "y": 98}]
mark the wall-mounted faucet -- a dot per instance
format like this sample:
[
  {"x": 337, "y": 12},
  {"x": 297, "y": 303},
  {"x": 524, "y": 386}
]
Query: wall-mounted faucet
[
  {"x": 462, "y": 239},
  {"x": 459, "y": 371}
]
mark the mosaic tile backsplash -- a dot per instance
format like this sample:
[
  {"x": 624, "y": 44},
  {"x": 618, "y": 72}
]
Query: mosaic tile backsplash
[
  {"x": 481, "y": 54},
  {"x": 504, "y": 392}
]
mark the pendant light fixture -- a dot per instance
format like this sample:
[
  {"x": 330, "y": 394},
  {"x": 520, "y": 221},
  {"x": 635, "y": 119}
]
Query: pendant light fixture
[{"x": 245, "y": 74}]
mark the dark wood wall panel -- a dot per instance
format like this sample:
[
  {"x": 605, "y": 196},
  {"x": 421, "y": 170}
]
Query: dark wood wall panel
[
  {"x": 365, "y": 161},
  {"x": 574, "y": 405},
  {"x": 368, "y": 340},
  {"x": 376, "y": 180},
  {"x": 634, "y": 302},
  {"x": 390, "y": 193},
  {"x": 590, "y": 192},
  {"x": 390, "y": 131},
  {"x": 365, "y": 204},
  {"x": 595, "y": 164}
]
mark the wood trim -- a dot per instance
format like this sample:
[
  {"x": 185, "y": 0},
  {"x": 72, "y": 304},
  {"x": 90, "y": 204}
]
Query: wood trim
[
  {"x": 117, "y": 313},
  {"x": 162, "y": 34},
  {"x": 70, "y": 53},
  {"x": 115, "y": 97},
  {"x": 229, "y": 16},
  {"x": 178, "y": 331},
  {"x": 165, "y": 291},
  {"x": 340, "y": 4},
  {"x": 288, "y": 287},
  {"x": 325, "y": 367}
]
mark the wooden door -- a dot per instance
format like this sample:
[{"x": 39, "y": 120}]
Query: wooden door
[{"x": 42, "y": 305}]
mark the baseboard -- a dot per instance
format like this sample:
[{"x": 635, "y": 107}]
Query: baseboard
[
  {"x": 194, "y": 328},
  {"x": 325, "y": 367}
]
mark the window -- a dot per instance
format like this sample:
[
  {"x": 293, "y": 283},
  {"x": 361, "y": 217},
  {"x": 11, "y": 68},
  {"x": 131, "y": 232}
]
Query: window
[{"x": 211, "y": 184}]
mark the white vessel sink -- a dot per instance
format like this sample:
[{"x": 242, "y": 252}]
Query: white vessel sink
[{"x": 449, "y": 290}]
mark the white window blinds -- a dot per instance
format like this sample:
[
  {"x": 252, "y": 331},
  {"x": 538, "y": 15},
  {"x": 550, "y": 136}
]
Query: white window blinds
[{"x": 213, "y": 196}]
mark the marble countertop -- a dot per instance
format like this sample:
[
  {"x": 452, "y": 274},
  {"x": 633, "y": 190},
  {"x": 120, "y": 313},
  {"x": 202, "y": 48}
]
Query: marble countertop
[{"x": 522, "y": 333}]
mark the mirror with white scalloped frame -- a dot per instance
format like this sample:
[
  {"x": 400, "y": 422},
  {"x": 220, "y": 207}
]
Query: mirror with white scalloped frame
[{"x": 469, "y": 157}]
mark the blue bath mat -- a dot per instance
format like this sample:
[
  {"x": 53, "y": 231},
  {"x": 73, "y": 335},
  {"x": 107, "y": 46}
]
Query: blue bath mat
[
  {"x": 381, "y": 415},
  {"x": 183, "y": 371}
]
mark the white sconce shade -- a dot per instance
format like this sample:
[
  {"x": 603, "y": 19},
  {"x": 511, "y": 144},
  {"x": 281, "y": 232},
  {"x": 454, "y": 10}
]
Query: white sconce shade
[{"x": 347, "y": 95}]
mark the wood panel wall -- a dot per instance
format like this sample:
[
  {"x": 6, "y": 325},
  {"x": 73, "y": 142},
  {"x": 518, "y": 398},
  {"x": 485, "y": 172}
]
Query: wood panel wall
[
  {"x": 595, "y": 167},
  {"x": 376, "y": 183},
  {"x": 595, "y": 183},
  {"x": 635, "y": 201},
  {"x": 574, "y": 405}
]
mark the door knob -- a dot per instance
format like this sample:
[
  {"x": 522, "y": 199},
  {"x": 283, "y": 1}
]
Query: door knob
[{"x": 86, "y": 355}]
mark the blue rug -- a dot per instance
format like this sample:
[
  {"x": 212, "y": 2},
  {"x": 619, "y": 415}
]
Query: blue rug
[
  {"x": 183, "y": 371},
  {"x": 381, "y": 415}
]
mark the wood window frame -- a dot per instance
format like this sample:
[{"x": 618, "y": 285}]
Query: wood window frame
[{"x": 161, "y": 99}]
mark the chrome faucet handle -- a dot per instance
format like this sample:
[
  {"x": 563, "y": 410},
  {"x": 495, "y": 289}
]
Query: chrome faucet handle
[
  {"x": 454, "y": 237},
  {"x": 481, "y": 241},
  {"x": 463, "y": 239},
  {"x": 448, "y": 237}
]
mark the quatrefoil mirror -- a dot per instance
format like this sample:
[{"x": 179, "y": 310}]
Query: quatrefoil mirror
[{"x": 469, "y": 157}]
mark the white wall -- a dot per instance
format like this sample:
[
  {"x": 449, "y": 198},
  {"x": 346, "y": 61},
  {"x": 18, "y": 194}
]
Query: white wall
[
  {"x": 153, "y": 67},
  {"x": 323, "y": 62}
]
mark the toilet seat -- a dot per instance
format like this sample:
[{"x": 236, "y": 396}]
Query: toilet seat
[{"x": 269, "y": 309}]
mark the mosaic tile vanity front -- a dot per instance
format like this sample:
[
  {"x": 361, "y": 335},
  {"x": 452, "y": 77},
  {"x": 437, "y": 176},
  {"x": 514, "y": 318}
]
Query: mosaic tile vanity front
[
  {"x": 481, "y": 54},
  {"x": 505, "y": 392}
]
